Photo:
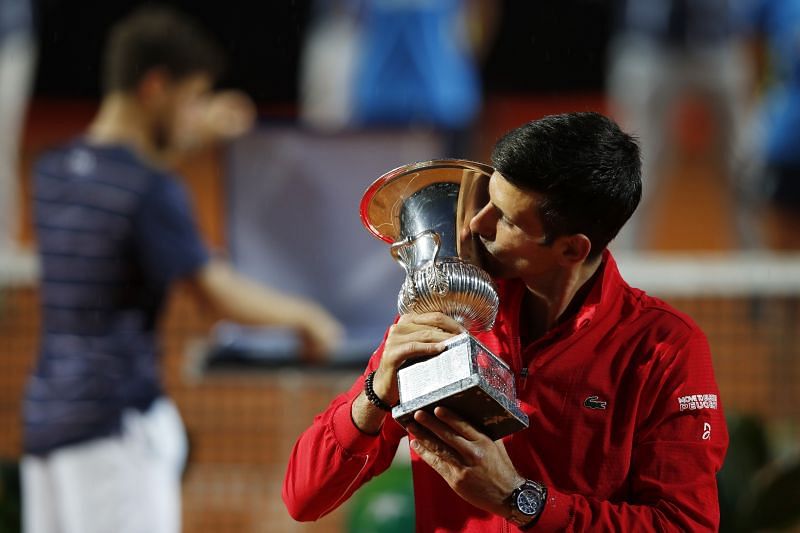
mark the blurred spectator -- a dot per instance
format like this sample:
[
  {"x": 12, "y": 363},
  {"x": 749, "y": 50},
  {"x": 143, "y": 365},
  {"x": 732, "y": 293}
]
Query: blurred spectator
[
  {"x": 327, "y": 65},
  {"x": 104, "y": 447},
  {"x": 663, "y": 51},
  {"x": 775, "y": 26},
  {"x": 396, "y": 63},
  {"x": 17, "y": 58}
]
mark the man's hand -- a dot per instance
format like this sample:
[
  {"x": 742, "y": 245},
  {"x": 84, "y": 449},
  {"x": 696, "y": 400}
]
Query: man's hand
[
  {"x": 220, "y": 116},
  {"x": 412, "y": 336},
  {"x": 228, "y": 114},
  {"x": 320, "y": 332},
  {"x": 476, "y": 468}
]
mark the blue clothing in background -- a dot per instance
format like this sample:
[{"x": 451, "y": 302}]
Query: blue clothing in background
[
  {"x": 113, "y": 232},
  {"x": 777, "y": 22},
  {"x": 415, "y": 65}
]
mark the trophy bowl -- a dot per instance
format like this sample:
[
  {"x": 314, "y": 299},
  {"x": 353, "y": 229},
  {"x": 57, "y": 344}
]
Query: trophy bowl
[{"x": 423, "y": 210}]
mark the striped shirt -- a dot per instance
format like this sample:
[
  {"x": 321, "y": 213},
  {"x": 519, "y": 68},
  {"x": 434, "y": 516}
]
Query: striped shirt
[{"x": 113, "y": 233}]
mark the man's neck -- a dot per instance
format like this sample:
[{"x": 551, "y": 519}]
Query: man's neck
[
  {"x": 542, "y": 308},
  {"x": 121, "y": 120}
]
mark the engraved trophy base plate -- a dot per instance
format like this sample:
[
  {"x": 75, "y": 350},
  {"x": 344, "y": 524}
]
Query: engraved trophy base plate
[{"x": 467, "y": 379}]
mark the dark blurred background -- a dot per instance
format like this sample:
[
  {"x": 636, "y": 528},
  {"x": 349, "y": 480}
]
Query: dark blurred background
[{"x": 538, "y": 47}]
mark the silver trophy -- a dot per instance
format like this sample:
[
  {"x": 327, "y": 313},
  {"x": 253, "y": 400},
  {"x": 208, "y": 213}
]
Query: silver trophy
[{"x": 423, "y": 210}]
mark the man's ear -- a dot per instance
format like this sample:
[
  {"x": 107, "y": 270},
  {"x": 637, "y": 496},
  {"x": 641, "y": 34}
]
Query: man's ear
[
  {"x": 153, "y": 85},
  {"x": 573, "y": 249}
]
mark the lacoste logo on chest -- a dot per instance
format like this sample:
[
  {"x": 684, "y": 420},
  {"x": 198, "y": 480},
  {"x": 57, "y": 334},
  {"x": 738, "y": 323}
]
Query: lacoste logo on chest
[{"x": 594, "y": 402}]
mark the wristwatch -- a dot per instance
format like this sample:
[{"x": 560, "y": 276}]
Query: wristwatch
[{"x": 527, "y": 502}]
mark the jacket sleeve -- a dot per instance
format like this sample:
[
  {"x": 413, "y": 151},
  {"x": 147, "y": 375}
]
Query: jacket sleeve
[
  {"x": 333, "y": 458},
  {"x": 679, "y": 447}
]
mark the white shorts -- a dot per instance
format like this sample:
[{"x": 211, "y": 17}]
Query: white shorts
[{"x": 128, "y": 483}]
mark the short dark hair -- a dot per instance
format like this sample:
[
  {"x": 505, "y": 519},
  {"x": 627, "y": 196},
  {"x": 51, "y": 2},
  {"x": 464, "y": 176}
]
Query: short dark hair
[
  {"x": 157, "y": 37},
  {"x": 586, "y": 168}
]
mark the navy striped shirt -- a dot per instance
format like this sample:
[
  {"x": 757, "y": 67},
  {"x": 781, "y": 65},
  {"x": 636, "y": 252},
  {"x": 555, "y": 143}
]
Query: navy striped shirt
[{"x": 113, "y": 232}]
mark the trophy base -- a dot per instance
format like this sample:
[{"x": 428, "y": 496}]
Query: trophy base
[{"x": 467, "y": 379}]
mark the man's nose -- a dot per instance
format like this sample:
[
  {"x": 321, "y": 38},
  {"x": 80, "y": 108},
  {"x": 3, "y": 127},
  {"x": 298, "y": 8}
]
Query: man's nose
[{"x": 479, "y": 224}]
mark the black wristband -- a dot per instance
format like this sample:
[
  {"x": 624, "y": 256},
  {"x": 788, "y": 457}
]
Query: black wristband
[{"x": 373, "y": 398}]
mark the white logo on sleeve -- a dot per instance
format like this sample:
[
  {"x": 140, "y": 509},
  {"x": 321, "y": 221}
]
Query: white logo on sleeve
[
  {"x": 706, "y": 431},
  {"x": 697, "y": 401}
]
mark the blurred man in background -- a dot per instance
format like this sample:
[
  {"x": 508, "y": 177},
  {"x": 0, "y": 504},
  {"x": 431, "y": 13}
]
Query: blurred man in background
[
  {"x": 17, "y": 59},
  {"x": 775, "y": 30},
  {"x": 663, "y": 53},
  {"x": 398, "y": 63},
  {"x": 104, "y": 448}
]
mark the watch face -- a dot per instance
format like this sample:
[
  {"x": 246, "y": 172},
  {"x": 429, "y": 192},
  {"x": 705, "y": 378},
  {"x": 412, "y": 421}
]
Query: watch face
[{"x": 529, "y": 502}]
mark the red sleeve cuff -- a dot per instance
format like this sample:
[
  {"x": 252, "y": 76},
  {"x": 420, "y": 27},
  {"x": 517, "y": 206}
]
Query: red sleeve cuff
[
  {"x": 349, "y": 437},
  {"x": 557, "y": 513}
]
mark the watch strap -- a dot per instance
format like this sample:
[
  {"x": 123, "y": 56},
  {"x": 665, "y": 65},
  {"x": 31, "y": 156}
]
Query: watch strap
[{"x": 523, "y": 520}]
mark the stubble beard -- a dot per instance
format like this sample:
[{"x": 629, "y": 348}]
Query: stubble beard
[{"x": 489, "y": 261}]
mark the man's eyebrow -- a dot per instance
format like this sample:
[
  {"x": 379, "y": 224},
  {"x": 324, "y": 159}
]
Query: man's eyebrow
[
  {"x": 502, "y": 214},
  {"x": 498, "y": 210},
  {"x": 523, "y": 226}
]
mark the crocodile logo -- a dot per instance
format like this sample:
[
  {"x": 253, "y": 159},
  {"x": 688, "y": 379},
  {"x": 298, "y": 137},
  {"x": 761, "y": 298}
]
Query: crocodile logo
[{"x": 593, "y": 402}]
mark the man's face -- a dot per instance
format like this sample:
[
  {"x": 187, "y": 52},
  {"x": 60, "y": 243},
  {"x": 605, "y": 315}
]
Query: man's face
[
  {"x": 180, "y": 111},
  {"x": 511, "y": 232}
]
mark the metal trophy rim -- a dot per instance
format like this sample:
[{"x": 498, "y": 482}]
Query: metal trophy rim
[{"x": 379, "y": 184}]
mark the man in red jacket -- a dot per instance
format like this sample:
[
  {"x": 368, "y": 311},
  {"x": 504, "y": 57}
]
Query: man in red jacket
[{"x": 626, "y": 429}]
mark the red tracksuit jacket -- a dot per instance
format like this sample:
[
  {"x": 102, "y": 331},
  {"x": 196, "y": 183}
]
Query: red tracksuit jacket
[{"x": 626, "y": 428}]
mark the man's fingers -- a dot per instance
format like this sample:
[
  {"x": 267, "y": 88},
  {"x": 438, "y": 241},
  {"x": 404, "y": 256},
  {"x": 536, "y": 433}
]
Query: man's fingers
[
  {"x": 433, "y": 459},
  {"x": 501, "y": 446},
  {"x": 423, "y": 332},
  {"x": 433, "y": 446},
  {"x": 418, "y": 342},
  {"x": 441, "y": 321},
  {"x": 411, "y": 349},
  {"x": 458, "y": 424},
  {"x": 465, "y": 450},
  {"x": 428, "y": 335},
  {"x": 435, "y": 320}
]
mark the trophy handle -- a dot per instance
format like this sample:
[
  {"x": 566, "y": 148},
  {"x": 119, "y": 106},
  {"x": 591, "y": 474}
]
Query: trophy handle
[{"x": 405, "y": 252}]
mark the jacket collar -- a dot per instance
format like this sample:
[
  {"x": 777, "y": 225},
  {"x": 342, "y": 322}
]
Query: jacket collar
[
  {"x": 605, "y": 288},
  {"x": 601, "y": 297}
]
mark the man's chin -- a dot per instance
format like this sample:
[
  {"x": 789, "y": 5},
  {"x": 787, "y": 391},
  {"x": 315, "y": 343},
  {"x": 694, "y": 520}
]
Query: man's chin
[
  {"x": 498, "y": 272},
  {"x": 489, "y": 263}
]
